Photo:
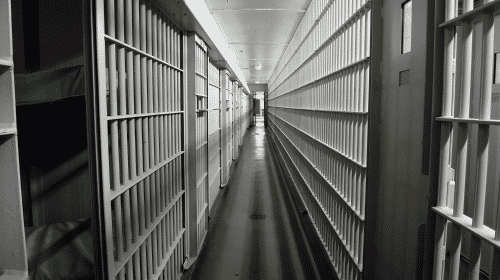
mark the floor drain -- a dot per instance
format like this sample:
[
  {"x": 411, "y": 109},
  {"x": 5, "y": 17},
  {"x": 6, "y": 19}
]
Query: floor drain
[{"x": 257, "y": 216}]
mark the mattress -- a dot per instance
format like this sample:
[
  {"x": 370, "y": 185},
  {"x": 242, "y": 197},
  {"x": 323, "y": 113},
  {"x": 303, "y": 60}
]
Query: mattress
[{"x": 60, "y": 251}]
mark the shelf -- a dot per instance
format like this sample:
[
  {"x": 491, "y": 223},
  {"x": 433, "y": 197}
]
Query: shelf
[{"x": 7, "y": 129}]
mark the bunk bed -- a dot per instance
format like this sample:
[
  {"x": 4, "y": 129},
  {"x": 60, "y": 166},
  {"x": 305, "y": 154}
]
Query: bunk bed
[{"x": 54, "y": 167}]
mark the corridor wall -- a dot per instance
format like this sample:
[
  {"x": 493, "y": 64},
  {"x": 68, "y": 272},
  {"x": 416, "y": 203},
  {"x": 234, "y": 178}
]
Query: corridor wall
[{"x": 318, "y": 117}]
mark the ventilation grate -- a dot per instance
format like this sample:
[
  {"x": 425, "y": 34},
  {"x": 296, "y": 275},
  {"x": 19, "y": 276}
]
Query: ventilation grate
[{"x": 404, "y": 77}]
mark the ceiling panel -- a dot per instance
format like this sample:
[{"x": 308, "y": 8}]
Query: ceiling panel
[
  {"x": 257, "y": 4},
  {"x": 259, "y": 51},
  {"x": 258, "y": 26},
  {"x": 258, "y": 31}
]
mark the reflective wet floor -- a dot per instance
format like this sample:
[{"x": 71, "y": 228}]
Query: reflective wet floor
[{"x": 252, "y": 236}]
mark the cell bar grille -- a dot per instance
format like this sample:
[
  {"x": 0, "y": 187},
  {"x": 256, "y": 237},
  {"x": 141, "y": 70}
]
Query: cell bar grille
[
  {"x": 318, "y": 118},
  {"x": 202, "y": 159},
  {"x": 141, "y": 136},
  {"x": 467, "y": 224},
  {"x": 236, "y": 118},
  {"x": 214, "y": 133},
  {"x": 229, "y": 124}
]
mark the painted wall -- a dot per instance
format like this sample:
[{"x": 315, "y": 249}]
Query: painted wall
[
  {"x": 402, "y": 192},
  {"x": 47, "y": 35}
]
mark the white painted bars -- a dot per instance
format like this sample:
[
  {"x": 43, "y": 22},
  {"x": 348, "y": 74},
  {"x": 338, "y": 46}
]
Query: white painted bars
[
  {"x": 141, "y": 121},
  {"x": 318, "y": 115},
  {"x": 461, "y": 91}
]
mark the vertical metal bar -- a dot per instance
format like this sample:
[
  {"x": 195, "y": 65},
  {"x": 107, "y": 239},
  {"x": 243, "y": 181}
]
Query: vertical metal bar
[
  {"x": 149, "y": 251},
  {"x": 135, "y": 214},
  {"x": 483, "y": 141},
  {"x": 147, "y": 200},
  {"x": 144, "y": 265},
  {"x": 124, "y": 151},
  {"x": 127, "y": 223},
  {"x": 168, "y": 43},
  {"x": 475, "y": 257},
  {"x": 154, "y": 250},
  {"x": 163, "y": 238},
  {"x": 118, "y": 229},
  {"x": 440, "y": 248},
  {"x": 142, "y": 208},
  {"x": 161, "y": 130},
  {"x": 445, "y": 155},
  {"x": 455, "y": 250},
  {"x": 449, "y": 39},
  {"x": 152, "y": 201},
  {"x": 137, "y": 264},
  {"x": 158, "y": 192}
]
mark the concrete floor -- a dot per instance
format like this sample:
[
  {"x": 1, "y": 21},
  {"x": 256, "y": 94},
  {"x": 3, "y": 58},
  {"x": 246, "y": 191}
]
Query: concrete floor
[{"x": 252, "y": 237}]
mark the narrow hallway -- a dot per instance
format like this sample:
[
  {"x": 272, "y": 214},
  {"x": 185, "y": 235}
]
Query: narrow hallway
[{"x": 252, "y": 236}]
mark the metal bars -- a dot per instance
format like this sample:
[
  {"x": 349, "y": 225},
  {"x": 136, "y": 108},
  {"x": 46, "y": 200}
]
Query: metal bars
[
  {"x": 468, "y": 186},
  {"x": 202, "y": 160},
  {"x": 318, "y": 117},
  {"x": 236, "y": 118},
  {"x": 229, "y": 124},
  {"x": 337, "y": 224},
  {"x": 329, "y": 32},
  {"x": 214, "y": 133},
  {"x": 141, "y": 130}
]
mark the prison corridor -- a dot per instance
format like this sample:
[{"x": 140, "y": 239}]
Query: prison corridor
[{"x": 252, "y": 235}]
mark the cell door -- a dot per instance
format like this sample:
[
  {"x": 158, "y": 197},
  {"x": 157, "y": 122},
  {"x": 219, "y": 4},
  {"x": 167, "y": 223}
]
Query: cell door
[
  {"x": 214, "y": 132},
  {"x": 467, "y": 223},
  {"x": 141, "y": 127},
  {"x": 229, "y": 124},
  {"x": 235, "y": 119},
  {"x": 202, "y": 192}
]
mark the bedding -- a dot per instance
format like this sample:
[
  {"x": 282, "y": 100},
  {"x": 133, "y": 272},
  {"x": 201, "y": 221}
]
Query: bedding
[
  {"x": 60, "y": 251},
  {"x": 49, "y": 86}
]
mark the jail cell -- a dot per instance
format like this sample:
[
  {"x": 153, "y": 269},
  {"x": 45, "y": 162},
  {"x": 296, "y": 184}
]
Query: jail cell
[
  {"x": 245, "y": 113},
  {"x": 202, "y": 159},
  {"x": 236, "y": 118},
  {"x": 467, "y": 225},
  {"x": 229, "y": 124},
  {"x": 141, "y": 134},
  {"x": 214, "y": 132},
  {"x": 318, "y": 117},
  {"x": 240, "y": 114}
]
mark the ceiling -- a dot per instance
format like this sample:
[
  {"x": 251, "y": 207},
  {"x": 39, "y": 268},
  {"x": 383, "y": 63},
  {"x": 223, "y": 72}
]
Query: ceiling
[{"x": 258, "y": 31}]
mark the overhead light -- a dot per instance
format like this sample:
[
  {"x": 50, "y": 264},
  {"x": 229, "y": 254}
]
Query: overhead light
[
  {"x": 258, "y": 66},
  {"x": 257, "y": 82}
]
